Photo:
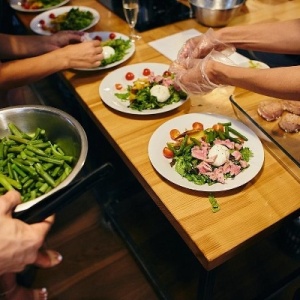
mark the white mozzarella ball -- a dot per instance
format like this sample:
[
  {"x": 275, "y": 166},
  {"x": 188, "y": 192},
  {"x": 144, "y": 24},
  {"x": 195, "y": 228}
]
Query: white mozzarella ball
[
  {"x": 108, "y": 51},
  {"x": 161, "y": 92},
  {"x": 222, "y": 154}
]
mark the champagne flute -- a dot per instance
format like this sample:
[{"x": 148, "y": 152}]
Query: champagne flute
[{"x": 131, "y": 9}]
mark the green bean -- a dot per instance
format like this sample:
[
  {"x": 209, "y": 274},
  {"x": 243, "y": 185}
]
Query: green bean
[
  {"x": 51, "y": 160},
  {"x": 31, "y": 163},
  {"x": 18, "y": 170},
  {"x": 36, "y": 150},
  {"x": 45, "y": 175},
  {"x": 235, "y": 132},
  {"x": 11, "y": 181},
  {"x": 18, "y": 139}
]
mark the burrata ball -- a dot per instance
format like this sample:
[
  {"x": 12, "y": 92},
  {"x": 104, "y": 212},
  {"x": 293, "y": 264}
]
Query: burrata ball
[
  {"x": 221, "y": 153},
  {"x": 107, "y": 51},
  {"x": 161, "y": 92}
]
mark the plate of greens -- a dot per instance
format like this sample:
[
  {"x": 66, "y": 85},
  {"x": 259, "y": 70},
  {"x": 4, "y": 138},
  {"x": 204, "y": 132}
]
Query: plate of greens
[
  {"x": 141, "y": 89},
  {"x": 36, "y": 5},
  {"x": 206, "y": 152},
  {"x": 117, "y": 48},
  {"x": 65, "y": 18}
]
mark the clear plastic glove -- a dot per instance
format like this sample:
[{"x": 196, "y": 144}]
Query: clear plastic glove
[
  {"x": 192, "y": 78},
  {"x": 202, "y": 45}
]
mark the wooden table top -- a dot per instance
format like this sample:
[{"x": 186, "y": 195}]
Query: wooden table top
[{"x": 248, "y": 212}]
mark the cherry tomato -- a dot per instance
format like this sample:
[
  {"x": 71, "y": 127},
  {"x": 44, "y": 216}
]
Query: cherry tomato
[
  {"x": 26, "y": 5},
  {"x": 112, "y": 36},
  {"x": 174, "y": 133},
  {"x": 129, "y": 76},
  {"x": 146, "y": 72},
  {"x": 168, "y": 153},
  {"x": 52, "y": 16},
  {"x": 118, "y": 86},
  {"x": 98, "y": 38},
  {"x": 218, "y": 127},
  {"x": 42, "y": 22},
  {"x": 167, "y": 74},
  {"x": 197, "y": 126}
]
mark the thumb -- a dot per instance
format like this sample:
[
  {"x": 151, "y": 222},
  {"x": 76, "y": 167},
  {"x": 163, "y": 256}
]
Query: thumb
[{"x": 9, "y": 201}]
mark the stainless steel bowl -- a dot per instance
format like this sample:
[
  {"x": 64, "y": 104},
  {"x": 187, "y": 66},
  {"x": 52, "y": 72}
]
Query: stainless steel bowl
[
  {"x": 215, "y": 13},
  {"x": 61, "y": 128}
]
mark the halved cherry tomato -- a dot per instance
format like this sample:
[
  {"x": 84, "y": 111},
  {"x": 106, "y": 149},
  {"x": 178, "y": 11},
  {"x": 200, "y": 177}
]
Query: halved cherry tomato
[
  {"x": 26, "y": 5},
  {"x": 98, "y": 38},
  {"x": 218, "y": 127},
  {"x": 146, "y": 72},
  {"x": 174, "y": 133},
  {"x": 167, "y": 74},
  {"x": 112, "y": 36},
  {"x": 118, "y": 86},
  {"x": 168, "y": 153},
  {"x": 52, "y": 16},
  {"x": 197, "y": 126},
  {"x": 129, "y": 76}
]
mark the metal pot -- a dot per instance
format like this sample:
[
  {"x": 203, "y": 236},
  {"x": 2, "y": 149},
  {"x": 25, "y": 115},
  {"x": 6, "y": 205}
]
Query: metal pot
[{"x": 215, "y": 13}]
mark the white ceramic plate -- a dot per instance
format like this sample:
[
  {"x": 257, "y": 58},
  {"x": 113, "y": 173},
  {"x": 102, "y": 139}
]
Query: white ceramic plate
[
  {"x": 35, "y": 23},
  {"x": 104, "y": 35},
  {"x": 18, "y": 6},
  {"x": 107, "y": 88},
  {"x": 254, "y": 64},
  {"x": 162, "y": 165}
]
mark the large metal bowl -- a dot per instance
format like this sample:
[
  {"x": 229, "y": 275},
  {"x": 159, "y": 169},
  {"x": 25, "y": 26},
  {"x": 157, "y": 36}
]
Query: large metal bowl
[
  {"x": 215, "y": 13},
  {"x": 61, "y": 128}
]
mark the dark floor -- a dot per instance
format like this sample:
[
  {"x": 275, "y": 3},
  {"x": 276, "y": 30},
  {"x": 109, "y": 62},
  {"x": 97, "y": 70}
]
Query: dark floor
[{"x": 118, "y": 245}]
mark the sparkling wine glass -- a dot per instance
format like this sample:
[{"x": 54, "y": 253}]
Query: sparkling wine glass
[{"x": 131, "y": 9}]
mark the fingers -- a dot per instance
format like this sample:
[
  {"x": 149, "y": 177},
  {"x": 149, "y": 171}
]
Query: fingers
[
  {"x": 48, "y": 259},
  {"x": 9, "y": 201}
]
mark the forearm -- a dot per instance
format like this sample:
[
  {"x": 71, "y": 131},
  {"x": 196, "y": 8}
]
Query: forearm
[
  {"x": 277, "y": 37},
  {"x": 19, "y": 46},
  {"x": 277, "y": 82},
  {"x": 21, "y": 72}
]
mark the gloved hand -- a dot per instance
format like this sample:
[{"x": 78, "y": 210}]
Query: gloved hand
[
  {"x": 191, "y": 76},
  {"x": 200, "y": 46}
]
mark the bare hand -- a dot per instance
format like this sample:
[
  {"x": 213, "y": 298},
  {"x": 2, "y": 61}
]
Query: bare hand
[{"x": 20, "y": 242}]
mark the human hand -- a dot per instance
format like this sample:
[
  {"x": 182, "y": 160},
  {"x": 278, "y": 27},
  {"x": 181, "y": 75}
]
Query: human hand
[
  {"x": 64, "y": 38},
  {"x": 192, "y": 76},
  {"x": 202, "y": 45},
  {"x": 20, "y": 242},
  {"x": 84, "y": 55}
]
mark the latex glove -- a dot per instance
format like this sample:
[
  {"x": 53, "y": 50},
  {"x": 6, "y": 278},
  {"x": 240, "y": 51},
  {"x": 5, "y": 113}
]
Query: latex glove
[
  {"x": 202, "y": 45},
  {"x": 191, "y": 77}
]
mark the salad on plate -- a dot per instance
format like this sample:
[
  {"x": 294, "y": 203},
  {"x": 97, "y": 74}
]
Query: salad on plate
[
  {"x": 151, "y": 91},
  {"x": 208, "y": 155}
]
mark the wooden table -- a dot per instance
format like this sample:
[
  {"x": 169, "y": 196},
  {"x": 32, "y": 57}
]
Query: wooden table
[{"x": 248, "y": 213}]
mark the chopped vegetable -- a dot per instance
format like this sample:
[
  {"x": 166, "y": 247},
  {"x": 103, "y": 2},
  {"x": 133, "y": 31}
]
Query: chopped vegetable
[{"x": 31, "y": 164}]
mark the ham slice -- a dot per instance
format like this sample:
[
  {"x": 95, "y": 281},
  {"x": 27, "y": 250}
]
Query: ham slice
[
  {"x": 270, "y": 110},
  {"x": 290, "y": 122},
  {"x": 292, "y": 106}
]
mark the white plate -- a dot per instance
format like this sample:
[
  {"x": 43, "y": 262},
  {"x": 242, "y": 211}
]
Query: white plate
[
  {"x": 18, "y": 6},
  {"x": 104, "y": 35},
  {"x": 35, "y": 23},
  {"x": 162, "y": 165},
  {"x": 255, "y": 64},
  {"x": 107, "y": 88}
]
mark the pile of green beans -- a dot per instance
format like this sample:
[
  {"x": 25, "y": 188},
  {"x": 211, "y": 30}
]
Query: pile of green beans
[{"x": 31, "y": 164}]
